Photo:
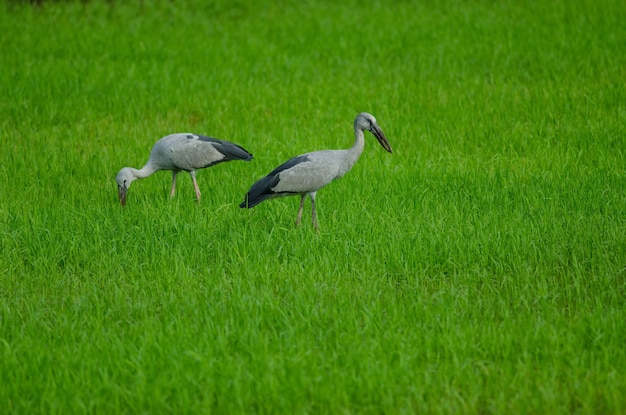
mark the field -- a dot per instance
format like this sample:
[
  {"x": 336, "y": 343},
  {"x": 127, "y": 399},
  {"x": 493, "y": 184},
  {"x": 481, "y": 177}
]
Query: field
[{"x": 480, "y": 268}]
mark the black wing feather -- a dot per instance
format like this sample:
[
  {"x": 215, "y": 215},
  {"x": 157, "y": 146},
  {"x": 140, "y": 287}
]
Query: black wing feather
[
  {"x": 231, "y": 151},
  {"x": 262, "y": 189}
]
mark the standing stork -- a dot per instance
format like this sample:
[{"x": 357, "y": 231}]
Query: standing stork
[
  {"x": 181, "y": 151},
  {"x": 306, "y": 174}
]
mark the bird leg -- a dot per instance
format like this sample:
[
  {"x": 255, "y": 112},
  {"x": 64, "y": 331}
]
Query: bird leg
[
  {"x": 195, "y": 184},
  {"x": 173, "y": 192},
  {"x": 300, "y": 210},
  {"x": 313, "y": 214}
]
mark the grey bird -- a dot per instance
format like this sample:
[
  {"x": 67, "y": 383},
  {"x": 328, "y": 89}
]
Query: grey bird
[
  {"x": 178, "y": 152},
  {"x": 306, "y": 174}
]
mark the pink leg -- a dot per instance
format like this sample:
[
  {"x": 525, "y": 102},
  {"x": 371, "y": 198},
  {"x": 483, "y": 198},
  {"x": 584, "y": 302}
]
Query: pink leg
[
  {"x": 313, "y": 213},
  {"x": 195, "y": 184},
  {"x": 173, "y": 192},
  {"x": 299, "y": 218}
]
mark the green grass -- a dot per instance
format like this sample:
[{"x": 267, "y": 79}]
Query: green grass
[{"x": 480, "y": 268}]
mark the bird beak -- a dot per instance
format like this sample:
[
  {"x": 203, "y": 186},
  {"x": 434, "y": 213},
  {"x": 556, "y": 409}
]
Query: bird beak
[
  {"x": 121, "y": 191},
  {"x": 380, "y": 136}
]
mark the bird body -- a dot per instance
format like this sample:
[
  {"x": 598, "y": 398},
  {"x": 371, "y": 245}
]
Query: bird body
[
  {"x": 181, "y": 152},
  {"x": 307, "y": 173}
]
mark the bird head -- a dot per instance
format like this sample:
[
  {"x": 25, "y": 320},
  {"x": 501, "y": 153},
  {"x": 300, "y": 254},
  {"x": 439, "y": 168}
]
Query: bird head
[
  {"x": 365, "y": 121},
  {"x": 124, "y": 178}
]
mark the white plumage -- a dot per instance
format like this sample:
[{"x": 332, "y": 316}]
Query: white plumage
[
  {"x": 306, "y": 174},
  {"x": 181, "y": 151}
]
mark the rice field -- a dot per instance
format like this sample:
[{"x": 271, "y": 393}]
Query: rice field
[{"x": 480, "y": 268}]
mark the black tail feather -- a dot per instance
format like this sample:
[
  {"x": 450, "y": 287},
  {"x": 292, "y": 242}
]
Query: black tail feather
[
  {"x": 260, "y": 191},
  {"x": 233, "y": 151}
]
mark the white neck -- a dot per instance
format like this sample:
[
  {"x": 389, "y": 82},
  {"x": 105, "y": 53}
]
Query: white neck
[
  {"x": 355, "y": 151},
  {"x": 144, "y": 172}
]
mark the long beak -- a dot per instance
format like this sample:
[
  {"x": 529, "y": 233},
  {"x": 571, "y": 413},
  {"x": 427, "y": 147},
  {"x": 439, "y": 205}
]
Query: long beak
[
  {"x": 121, "y": 191},
  {"x": 380, "y": 136}
]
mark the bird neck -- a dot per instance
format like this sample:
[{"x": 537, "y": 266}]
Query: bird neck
[
  {"x": 144, "y": 172},
  {"x": 357, "y": 148}
]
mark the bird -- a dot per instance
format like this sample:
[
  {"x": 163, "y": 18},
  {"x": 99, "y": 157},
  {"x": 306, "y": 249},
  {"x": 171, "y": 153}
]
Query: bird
[
  {"x": 307, "y": 173},
  {"x": 178, "y": 152}
]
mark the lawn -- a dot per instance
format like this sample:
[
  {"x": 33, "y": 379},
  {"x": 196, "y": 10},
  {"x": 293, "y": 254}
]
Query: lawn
[{"x": 480, "y": 268}]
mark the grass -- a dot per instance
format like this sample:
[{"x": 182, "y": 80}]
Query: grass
[{"x": 480, "y": 268}]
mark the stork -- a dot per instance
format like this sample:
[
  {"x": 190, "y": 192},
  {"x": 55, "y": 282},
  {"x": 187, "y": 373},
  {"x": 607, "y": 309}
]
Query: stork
[
  {"x": 178, "y": 152},
  {"x": 306, "y": 174}
]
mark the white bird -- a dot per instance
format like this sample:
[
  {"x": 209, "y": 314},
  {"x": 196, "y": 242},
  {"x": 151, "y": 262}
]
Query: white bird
[
  {"x": 306, "y": 174},
  {"x": 181, "y": 151}
]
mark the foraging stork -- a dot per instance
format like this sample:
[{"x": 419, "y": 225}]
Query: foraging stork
[
  {"x": 306, "y": 174},
  {"x": 181, "y": 151}
]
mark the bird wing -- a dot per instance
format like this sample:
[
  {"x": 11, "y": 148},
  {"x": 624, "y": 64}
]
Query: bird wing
[
  {"x": 307, "y": 173},
  {"x": 231, "y": 151},
  {"x": 302, "y": 174},
  {"x": 262, "y": 188},
  {"x": 186, "y": 151}
]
